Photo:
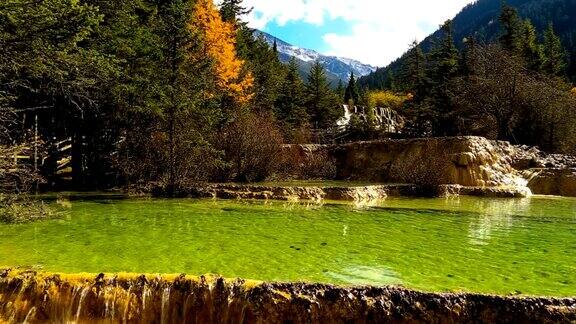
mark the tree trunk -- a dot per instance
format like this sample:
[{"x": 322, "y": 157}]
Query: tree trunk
[{"x": 171, "y": 122}]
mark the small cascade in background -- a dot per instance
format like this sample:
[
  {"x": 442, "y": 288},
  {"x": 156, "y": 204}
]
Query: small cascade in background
[
  {"x": 28, "y": 297},
  {"x": 387, "y": 119}
]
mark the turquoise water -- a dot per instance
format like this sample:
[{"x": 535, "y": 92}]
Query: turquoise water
[{"x": 517, "y": 246}]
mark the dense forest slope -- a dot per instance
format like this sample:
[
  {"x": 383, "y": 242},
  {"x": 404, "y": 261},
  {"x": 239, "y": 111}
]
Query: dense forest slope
[{"x": 480, "y": 20}]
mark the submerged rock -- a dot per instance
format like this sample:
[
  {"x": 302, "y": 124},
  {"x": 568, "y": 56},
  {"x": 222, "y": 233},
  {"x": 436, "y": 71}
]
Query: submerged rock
[{"x": 31, "y": 297}]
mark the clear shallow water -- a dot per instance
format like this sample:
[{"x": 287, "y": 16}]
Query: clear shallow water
[{"x": 525, "y": 246}]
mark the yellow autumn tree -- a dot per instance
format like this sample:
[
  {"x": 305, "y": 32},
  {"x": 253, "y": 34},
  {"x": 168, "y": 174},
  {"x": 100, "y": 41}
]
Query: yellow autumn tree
[
  {"x": 573, "y": 91},
  {"x": 386, "y": 99},
  {"x": 220, "y": 44}
]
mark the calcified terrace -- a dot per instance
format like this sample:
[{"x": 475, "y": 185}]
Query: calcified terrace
[{"x": 34, "y": 297}]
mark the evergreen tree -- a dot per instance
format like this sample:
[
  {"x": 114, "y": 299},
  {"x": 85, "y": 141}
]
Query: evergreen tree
[
  {"x": 231, "y": 10},
  {"x": 444, "y": 64},
  {"x": 185, "y": 79},
  {"x": 268, "y": 74},
  {"x": 321, "y": 102},
  {"x": 467, "y": 57},
  {"x": 531, "y": 50},
  {"x": 554, "y": 53},
  {"x": 416, "y": 82},
  {"x": 414, "y": 72},
  {"x": 290, "y": 103},
  {"x": 341, "y": 90},
  {"x": 351, "y": 94},
  {"x": 390, "y": 81},
  {"x": 511, "y": 25},
  {"x": 275, "y": 47}
]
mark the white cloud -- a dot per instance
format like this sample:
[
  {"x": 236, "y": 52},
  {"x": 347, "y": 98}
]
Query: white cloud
[{"x": 380, "y": 30}]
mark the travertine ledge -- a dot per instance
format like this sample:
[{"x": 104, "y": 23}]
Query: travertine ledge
[
  {"x": 350, "y": 193},
  {"x": 33, "y": 297}
]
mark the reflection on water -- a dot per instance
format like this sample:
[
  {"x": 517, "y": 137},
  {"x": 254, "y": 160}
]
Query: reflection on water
[
  {"x": 364, "y": 275},
  {"x": 495, "y": 215}
]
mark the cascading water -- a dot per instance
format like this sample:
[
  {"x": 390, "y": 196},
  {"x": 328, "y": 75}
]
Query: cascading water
[
  {"x": 387, "y": 119},
  {"x": 27, "y": 297}
]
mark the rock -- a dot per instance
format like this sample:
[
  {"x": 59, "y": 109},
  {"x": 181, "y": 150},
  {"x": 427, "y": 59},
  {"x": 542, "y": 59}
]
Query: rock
[
  {"x": 558, "y": 182},
  {"x": 361, "y": 194},
  {"x": 466, "y": 161}
]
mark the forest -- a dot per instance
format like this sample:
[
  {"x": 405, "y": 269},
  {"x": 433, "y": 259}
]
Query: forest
[
  {"x": 143, "y": 94},
  {"x": 516, "y": 88},
  {"x": 480, "y": 21}
]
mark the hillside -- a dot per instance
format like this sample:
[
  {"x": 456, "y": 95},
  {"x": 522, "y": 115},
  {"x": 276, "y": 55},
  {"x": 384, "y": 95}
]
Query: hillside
[
  {"x": 480, "y": 20},
  {"x": 337, "y": 68}
]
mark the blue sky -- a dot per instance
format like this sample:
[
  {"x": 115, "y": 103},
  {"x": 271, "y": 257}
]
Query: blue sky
[
  {"x": 306, "y": 35},
  {"x": 371, "y": 31}
]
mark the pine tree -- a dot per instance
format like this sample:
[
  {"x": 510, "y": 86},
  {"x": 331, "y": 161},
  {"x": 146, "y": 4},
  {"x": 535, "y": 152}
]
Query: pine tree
[
  {"x": 466, "y": 63},
  {"x": 414, "y": 72},
  {"x": 321, "y": 102},
  {"x": 531, "y": 50},
  {"x": 554, "y": 53},
  {"x": 231, "y": 10},
  {"x": 351, "y": 94},
  {"x": 417, "y": 84},
  {"x": 185, "y": 77},
  {"x": 290, "y": 103},
  {"x": 390, "y": 83},
  {"x": 268, "y": 74},
  {"x": 511, "y": 25},
  {"x": 444, "y": 58},
  {"x": 341, "y": 90}
]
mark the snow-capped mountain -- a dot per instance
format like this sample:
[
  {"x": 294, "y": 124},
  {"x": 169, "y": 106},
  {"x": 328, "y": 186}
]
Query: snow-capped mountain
[{"x": 337, "y": 68}]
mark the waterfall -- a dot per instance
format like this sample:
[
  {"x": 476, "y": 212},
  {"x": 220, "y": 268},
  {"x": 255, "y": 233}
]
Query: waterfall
[
  {"x": 345, "y": 120},
  {"x": 30, "y": 315},
  {"x": 387, "y": 119},
  {"x": 83, "y": 292},
  {"x": 165, "y": 303},
  {"x": 28, "y": 297}
]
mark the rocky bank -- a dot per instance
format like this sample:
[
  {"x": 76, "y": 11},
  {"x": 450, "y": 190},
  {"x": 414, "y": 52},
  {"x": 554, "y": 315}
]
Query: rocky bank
[
  {"x": 357, "y": 194},
  {"x": 475, "y": 163}
]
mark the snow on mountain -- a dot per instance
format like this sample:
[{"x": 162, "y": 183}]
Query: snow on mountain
[{"x": 338, "y": 68}]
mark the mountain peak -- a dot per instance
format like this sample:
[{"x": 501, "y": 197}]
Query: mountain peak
[{"x": 337, "y": 68}]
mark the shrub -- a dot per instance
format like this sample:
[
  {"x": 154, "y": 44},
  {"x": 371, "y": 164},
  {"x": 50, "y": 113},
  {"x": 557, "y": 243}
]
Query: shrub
[
  {"x": 385, "y": 99},
  {"x": 318, "y": 165},
  {"x": 252, "y": 145},
  {"x": 306, "y": 162},
  {"x": 20, "y": 209}
]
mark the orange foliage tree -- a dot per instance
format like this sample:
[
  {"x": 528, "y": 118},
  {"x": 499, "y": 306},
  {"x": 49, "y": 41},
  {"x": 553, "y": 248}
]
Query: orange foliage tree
[{"x": 220, "y": 45}]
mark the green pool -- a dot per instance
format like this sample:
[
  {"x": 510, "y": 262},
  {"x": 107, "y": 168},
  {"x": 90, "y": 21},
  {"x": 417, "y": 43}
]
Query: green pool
[{"x": 525, "y": 246}]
